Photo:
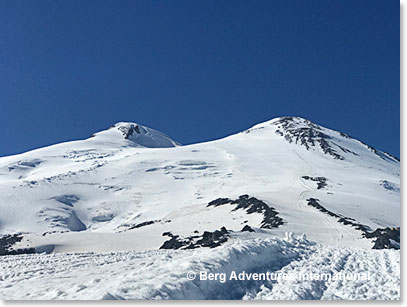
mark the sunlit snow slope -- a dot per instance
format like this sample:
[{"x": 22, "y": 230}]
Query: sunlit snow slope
[
  {"x": 124, "y": 187},
  {"x": 162, "y": 274}
]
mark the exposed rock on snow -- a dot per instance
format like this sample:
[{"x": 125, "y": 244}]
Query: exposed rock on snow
[
  {"x": 309, "y": 135},
  {"x": 321, "y": 181},
  {"x": 146, "y": 223},
  {"x": 144, "y": 136},
  {"x": 341, "y": 219},
  {"x": 6, "y": 246},
  {"x": 252, "y": 205},
  {"x": 113, "y": 181},
  {"x": 385, "y": 238},
  {"x": 110, "y": 198},
  {"x": 247, "y": 228},
  {"x": 208, "y": 239}
]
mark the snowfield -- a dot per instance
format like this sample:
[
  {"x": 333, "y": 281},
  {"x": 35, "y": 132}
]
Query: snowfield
[
  {"x": 163, "y": 274},
  {"x": 126, "y": 213}
]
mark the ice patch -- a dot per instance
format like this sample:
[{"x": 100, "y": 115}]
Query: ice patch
[{"x": 68, "y": 200}]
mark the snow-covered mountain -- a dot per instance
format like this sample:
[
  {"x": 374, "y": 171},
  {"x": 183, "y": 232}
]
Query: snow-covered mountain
[{"x": 132, "y": 188}]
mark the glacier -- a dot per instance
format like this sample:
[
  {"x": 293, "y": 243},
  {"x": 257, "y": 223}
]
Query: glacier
[{"x": 105, "y": 206}]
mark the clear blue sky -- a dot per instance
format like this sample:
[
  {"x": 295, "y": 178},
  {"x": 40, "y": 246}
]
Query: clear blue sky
[{"x": 197, "y": 70}]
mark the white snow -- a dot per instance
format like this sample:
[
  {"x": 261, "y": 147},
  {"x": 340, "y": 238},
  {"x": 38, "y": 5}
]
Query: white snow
[
  {"x": 163, "y": 274},
  {"x": 85, "y": 196}
]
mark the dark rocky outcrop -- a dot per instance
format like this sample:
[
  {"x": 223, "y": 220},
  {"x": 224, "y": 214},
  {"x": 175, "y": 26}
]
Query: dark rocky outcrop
[
  {"x": 146, "y": 223},
  {"x": 130, "y": 130},
  {"x": 208, "y": 239},
  {"x": 252, "y": 205},
  {"x": 6, "y": 246},
  {"x": 247, "y": 228},
  {"x": 219, "y": 202},
  {"x": 313, "y": 202},
  {"x": 386, "y": 238},
  {"x": 306, "y": 133},
  {"x": 174, "y": 243},
  {"x": 211, "y": 239},
  {"x": 321, "y": 181}
]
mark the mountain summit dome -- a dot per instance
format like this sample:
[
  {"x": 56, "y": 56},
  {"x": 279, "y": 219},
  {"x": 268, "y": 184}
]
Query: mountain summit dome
[
  {"x": 133, "y": 134},
  {"x": 313, "y": 137}
]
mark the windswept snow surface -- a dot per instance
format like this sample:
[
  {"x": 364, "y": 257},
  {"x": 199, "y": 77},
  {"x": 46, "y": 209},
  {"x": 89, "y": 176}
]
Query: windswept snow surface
[
  {"x": 163, "y": 274},
  {"x": 123, "y": 188}
]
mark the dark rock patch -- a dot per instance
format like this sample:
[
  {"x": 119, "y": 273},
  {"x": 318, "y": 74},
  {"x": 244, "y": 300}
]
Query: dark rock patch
[
  {"x": 252, "y": 205},
  {"x": 174, "y": 243},
  {"x": 211, "y": 239},
  {"x": 385, "y": 238},
  {"x": 313, "y": 202},
  {"x": 130, "y": 130},
  {"x": 321, "y": 181},
  {"x": 219, "y": 202},
  {"x": 208, "y": 239},
  {"x": 146, "y": 223},
  {"x": 309, "y": 135},
  {"x": 247, "y": 228},
  {"x": 6, "y": 246}
]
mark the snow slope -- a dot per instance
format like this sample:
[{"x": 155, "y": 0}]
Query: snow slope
[
  {"x": 120, "y": 195},
  {"x": 163, "y": 274},
  {"x": 110, "y": 183}
]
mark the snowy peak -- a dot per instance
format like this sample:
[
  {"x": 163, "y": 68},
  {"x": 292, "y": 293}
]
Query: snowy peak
[
  {"x": 117, "y": 183},
  {"x": 313, "y": 137},
  {"x": 306, "y": 133},
  {"x": 128, "y": 129},
  {"x": 135, "y": 135}
]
